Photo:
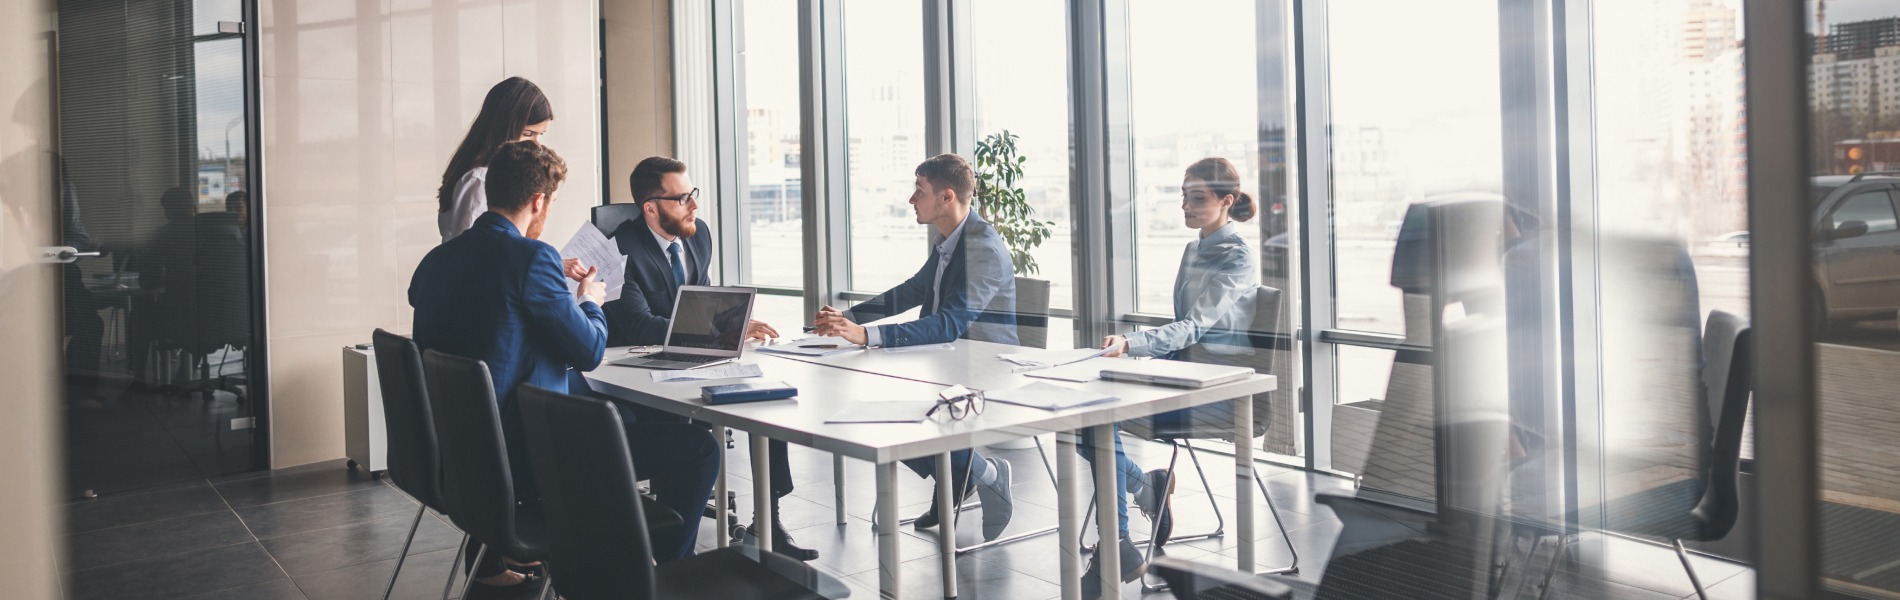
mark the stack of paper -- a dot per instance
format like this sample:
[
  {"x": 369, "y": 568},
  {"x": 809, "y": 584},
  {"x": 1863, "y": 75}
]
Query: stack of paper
[
  {"x": 823, "y": 345},
  {"x": 1048, "y": 396},
  {"x": 595, "y": 250},
  {"x": 1052, "y": 358}
]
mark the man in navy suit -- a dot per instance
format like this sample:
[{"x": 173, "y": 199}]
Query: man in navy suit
[
  {"x": 497, "y": 293},
  {"x": 966, "y": 289},
  {"x": 668, "y": 246}
]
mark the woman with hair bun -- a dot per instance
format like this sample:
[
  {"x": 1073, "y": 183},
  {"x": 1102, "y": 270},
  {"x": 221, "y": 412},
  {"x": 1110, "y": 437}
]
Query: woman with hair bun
[{"x": 1218, "y": 270}]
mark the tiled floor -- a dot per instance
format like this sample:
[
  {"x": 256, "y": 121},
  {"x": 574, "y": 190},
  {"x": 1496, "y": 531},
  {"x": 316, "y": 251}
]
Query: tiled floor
[{"x": 322, "y": 531}]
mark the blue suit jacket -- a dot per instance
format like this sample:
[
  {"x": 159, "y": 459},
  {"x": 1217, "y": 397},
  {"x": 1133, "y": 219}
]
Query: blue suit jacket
[
  {"x": 978, "y": 299},
  {"x": 498, "y": 296},
  {"x": 640, "y": 316}
]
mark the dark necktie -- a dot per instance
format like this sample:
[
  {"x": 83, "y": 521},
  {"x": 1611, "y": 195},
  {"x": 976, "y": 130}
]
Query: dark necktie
[{"x": 679, "y": 268}]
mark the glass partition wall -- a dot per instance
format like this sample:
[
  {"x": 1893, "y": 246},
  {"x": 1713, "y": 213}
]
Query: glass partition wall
[{"x": 1512, "y": 240}]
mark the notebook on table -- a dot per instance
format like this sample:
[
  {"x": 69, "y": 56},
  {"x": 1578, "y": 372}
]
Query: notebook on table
[{"x": 708, "y": 328}]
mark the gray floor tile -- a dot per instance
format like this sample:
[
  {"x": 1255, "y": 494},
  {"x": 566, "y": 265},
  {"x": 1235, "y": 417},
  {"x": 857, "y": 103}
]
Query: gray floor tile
[
  {"x": 283, "y": 589},
  {"x": 853, "y": 548},
  {"x": 369, "y": 541},
  {"x": 185, "y": 500},
  {"x": 304, "y": 482},
  {"x": 157, "y": 539},
  {"x": 171, "y": 577},
  {"x": 324, "y": 512},
  {"x": 977, "y": 579},
  {"x": 423, "y": 576}
]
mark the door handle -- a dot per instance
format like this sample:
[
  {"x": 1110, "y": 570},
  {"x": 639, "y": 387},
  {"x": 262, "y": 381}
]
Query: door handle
[{"x": 64, "y": 254}]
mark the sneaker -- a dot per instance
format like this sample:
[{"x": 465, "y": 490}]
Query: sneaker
[
  {"x": 929, "y": 518},
  {"x": 1132, "y": 569},
  {"x": 999, "y": 503},
  {"x": 1153, "y": 498}
]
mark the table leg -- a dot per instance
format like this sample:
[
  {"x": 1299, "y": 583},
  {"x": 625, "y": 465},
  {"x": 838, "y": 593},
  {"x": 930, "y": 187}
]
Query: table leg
[
  {"x": 1068, "y": 517},
  {"x": 837, "y": 485},
  {"x": 1107, "y": 520},
  {"x": 761, "y": 491},
  {"x": 946, "y": 526},
  {"x": 1244, "y": 482},
  {"x": 887, "y": 559},
  {"x": 721, "y": 511}
]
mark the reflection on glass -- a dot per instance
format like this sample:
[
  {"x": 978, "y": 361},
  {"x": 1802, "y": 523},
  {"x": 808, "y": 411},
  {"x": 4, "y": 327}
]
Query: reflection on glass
[
  {"x": 1442, "y": 139},
  {"x": 1855, "y": 118},
  {"x": 884, "y": 99},
  {"x": 771, "y": 211},
  {"x": 152, "y": 176}
]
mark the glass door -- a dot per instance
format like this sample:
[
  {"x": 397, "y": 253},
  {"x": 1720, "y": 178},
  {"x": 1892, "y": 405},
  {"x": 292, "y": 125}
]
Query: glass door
[{"x": 153, "y": 183}]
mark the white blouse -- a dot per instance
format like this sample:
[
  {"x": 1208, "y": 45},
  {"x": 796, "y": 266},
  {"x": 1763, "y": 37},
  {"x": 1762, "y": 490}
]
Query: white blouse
[{"x": 469, "y": 201}]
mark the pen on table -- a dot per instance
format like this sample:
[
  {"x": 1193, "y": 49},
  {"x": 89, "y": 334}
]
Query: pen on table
[{"x": 819, "y": 346}]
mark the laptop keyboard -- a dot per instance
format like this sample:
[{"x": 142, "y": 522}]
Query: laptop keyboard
[{"x": 697, "y": 359}]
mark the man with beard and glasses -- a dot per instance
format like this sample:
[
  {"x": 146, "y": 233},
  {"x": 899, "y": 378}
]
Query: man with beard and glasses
[
  {"x": 667, "y": 247},
  {"x": 497, "y": 293}
]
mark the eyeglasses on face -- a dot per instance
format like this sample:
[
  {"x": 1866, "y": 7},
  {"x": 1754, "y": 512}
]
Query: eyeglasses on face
[{"x": 691, "y": 197}]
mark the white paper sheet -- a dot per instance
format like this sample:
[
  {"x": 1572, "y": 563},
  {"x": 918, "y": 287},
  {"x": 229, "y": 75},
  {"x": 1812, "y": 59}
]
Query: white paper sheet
[
  {"x": 817, "y": 345},
  {"x": 715, "y": 372},
  {"x": 1079, "y": 372},
  {"x": 1048, "y": 396},
  {"x": 595, "y": 250},
  {"x": 1052, "y": 358}
]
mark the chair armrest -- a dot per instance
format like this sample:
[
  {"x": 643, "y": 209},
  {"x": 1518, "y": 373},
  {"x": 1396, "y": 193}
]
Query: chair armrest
[{"x": 1187, "y": 579}]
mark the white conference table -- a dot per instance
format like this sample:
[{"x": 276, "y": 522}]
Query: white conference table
[{"x": 830, "y": 385}]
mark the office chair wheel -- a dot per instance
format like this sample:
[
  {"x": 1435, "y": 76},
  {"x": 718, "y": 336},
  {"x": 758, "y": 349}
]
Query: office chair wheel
[
  {"x": 377, "y": 474},
  {"x": 351, "y": 465}
]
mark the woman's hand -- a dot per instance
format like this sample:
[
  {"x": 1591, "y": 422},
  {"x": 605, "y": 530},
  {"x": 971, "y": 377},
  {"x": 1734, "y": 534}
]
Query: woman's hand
[{"x": 1117, "y": 345}]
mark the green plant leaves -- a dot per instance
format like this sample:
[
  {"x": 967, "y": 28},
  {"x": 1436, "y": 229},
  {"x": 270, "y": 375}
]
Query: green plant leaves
[{"x": 1003, "y": 204}]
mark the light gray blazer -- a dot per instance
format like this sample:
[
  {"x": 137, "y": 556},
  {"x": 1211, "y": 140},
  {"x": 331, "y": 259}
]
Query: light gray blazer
[{"x": 1217, "y": 274}]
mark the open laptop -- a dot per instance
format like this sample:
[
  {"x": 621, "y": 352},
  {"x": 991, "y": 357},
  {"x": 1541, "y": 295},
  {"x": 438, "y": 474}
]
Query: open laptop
[
  {"x": 1174, "y": 373},
  {"x": 708, "y": 328}
]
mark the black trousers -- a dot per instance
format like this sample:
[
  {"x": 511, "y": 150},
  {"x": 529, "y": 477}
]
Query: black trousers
[{"x": 778, "y": 451}]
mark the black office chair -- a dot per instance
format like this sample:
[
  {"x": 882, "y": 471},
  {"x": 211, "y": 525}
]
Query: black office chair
[
  {"x": 599, "y": 544},
  {"x": 476, "y": 468},
  {"x": 1726, "y": 381},
  {"x": 414, "y": 463},
  {"x": 1032, "y": 312},
  {"x": 1216, "y": 421},
  {"x": 608, "y": 217}
]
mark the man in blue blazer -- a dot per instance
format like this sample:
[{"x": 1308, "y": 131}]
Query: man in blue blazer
[
  {"x": 667, "y": 247},
  {"x": 497, "y": 293},
  {"x": 966, "y": 289}
]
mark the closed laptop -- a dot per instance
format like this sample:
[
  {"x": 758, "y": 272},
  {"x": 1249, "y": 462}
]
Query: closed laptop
[{"x": 1174, "y": 373}]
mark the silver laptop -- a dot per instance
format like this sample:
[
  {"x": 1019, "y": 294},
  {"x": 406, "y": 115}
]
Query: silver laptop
[
  {"x": 1174, "y": 373},
  {"x": 708, "y": 328}
]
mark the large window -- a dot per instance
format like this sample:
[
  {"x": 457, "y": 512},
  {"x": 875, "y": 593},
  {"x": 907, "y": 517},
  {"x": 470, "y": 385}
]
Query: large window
[
  {"x": 1194, "y": 95},
  {"x": 771, "y": 208},
  {"x": 884, "y": 127},
  {"x": 1019, "y": 73}
]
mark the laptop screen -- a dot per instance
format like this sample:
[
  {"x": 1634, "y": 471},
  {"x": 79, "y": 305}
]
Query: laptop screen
[{"x": 710, "y": 319}]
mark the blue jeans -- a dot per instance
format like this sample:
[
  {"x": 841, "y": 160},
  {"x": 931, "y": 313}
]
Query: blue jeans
[{"x": 1125, "y": 468}]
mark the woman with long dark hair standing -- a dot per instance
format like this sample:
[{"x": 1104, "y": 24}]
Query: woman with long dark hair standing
[{"x": 514, "y": 111}]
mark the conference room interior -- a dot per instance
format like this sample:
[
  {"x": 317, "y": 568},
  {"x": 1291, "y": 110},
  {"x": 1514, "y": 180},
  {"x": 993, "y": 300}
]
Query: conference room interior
[{"x": 1553, "y": 298}]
